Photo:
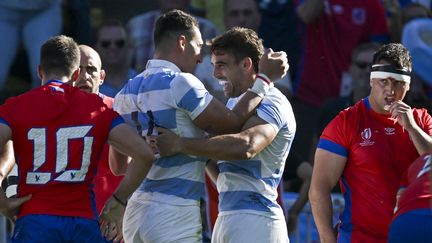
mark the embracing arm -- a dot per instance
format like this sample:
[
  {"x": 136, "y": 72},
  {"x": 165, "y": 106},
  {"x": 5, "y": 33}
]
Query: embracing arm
[
  {"x": 126, "y": 141},
  {"x": 327, "y": 170},
  {"x": 244, "y": 145}
]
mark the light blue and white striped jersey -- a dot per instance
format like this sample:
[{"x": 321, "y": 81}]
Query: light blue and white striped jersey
[
  {"x": 251, "y": 185},
  {"x": 175, "y": 100}
]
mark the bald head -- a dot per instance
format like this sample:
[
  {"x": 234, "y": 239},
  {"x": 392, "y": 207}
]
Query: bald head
[
  {"x": 92, "y": 75},
  {"x": 89, "y": 53}
]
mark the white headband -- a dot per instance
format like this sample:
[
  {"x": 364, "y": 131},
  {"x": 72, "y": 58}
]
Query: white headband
[
  {"x": 384, "y": 71},
  {"x": 396, "y": 76}
]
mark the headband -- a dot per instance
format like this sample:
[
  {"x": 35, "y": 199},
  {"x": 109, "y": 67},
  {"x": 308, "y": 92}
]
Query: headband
[{"x": 384, "y": 71}]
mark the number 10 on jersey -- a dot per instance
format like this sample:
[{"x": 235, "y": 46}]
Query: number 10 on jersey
[{"x": 63, "y": 135}]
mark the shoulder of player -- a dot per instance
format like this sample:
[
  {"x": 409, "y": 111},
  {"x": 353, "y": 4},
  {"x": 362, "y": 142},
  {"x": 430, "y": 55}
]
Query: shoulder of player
[
  {"x": 280, "y": 106},
  {"x": 419, "y": 112},
  {"x": 186, "y": 77},
  {"x": 275, "y": 96},
  {"x": 422, "y": 117},
  {"x": 108, "y": 101}
]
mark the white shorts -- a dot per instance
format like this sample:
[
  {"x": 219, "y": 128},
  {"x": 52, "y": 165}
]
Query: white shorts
[
  {"x": 153, "y": 221},
  {"x": 246, "y": 228}
]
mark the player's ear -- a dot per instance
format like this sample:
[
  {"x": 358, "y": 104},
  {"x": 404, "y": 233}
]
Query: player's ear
[
  {"x": 102, "y": 76},
  {"x": 75, "y": 74},
  {"x": 247, "y": 63},
  {"x": 39, "y": 72},
  {"x": 181, "y": 42}
]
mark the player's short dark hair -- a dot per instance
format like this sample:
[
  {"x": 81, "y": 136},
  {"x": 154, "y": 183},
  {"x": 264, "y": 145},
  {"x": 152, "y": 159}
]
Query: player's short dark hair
[
  {"x": 174, "y": 23},
  {"x": 241, "y": 43},
  {"x": 395, "y": 54},
  {"x": 60, "y": 55}
]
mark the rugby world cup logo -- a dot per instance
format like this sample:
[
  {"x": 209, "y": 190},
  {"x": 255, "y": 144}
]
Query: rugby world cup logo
[{"x": 366, "y": 136}]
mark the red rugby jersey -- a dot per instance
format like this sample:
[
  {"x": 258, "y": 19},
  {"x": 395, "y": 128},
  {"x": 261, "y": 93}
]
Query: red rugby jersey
[
  {"x": 378, "y": 152},
  {"x": 417, "y": 194},
  {"x": 59, "y": 133},
  {"x": 105, "y": 182}
]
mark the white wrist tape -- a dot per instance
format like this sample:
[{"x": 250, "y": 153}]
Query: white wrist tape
[{"x": 262, "y": 85}]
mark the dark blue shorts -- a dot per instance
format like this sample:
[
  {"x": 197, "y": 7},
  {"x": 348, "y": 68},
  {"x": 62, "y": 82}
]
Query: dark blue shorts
[
  {"x": 412, "y": 226},
  {"x": 49, "y": 228}
]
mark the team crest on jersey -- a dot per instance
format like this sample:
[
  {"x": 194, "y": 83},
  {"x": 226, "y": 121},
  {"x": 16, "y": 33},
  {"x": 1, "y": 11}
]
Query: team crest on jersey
[
  {"x": 358, "y": 16},
  {"x": 389, "y": 130},
  {"x": 366, "y": 136},
  {"x": 58, "y": 89}
]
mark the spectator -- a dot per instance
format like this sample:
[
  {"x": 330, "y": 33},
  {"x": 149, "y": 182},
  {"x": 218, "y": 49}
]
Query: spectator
[
  {"x": 113, "y": 45},
  {"x": 31, "y": 22},
  {"x": 326, "y": 55},
  {"x": 401, "y": 15},
  {"x": 280, "y": 29},
  {"x": 141, "y": 28},
  {"x": 76, "y": 15},
  {"x": 211, "y": 10}
]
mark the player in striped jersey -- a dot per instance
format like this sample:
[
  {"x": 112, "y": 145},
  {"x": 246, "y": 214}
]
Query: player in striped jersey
[
  {"x": 253, "y": 160},
  {"x": 167, "y": 95}
]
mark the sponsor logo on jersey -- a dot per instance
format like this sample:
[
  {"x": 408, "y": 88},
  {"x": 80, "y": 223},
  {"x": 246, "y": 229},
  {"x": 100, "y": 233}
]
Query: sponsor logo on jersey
[
  {"x": 389, "y": 130},
  {"x": 366, "y": 136}
]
